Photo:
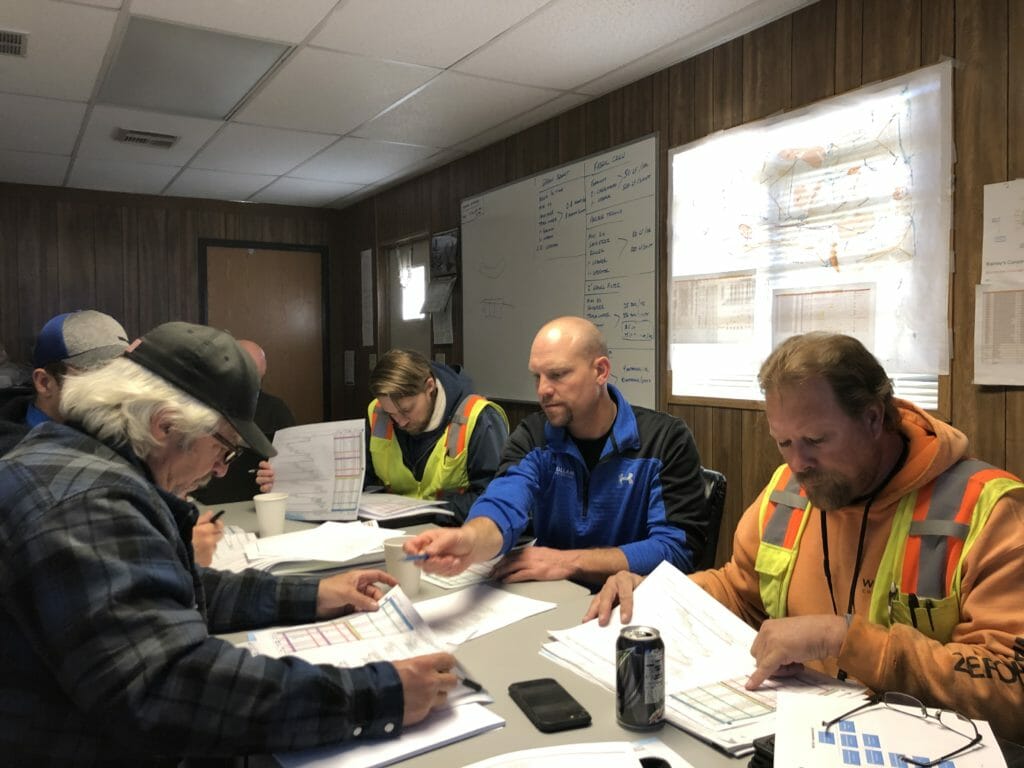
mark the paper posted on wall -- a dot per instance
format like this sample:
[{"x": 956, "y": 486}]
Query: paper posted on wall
[{"x": 321, "y": 467}]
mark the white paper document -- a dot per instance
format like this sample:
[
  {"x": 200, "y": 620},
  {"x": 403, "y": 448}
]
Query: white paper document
[
  {"x": 230, "y": 552},
  {"x": 394, "y": 631},
  {"x": 876, "y": 736},
  {"x": 329, "y": 545},
  {"x": 707, "y": 661},
  {"x": 321, "y": 467},
  {"x": 441, "y": 727},
  {"x": 607, "y": 754},
  {"x": 476, "y": 611},
  {"x": 999, "y": 334},
  {"x": 1002, "y": 244},
  {"x": 392, "y": 506},
  {"x": 601, "y": 754}
]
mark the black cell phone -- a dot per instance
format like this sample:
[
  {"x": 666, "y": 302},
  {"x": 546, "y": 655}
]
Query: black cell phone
[{"x": 548, "y": 705}]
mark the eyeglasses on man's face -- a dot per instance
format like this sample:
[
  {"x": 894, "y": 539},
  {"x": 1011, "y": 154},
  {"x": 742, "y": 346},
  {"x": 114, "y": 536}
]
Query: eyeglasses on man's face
[
  {"x": 908, "y": 705},
  {"x": 231, "y": 451}
]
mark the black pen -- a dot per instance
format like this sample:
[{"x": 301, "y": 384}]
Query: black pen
[
  {"x": 217, "y": 515},
  {"x": 473, "y": 685}
]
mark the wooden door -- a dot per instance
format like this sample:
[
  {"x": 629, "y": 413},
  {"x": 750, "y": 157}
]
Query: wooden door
[{"x": 275, "y": 298}]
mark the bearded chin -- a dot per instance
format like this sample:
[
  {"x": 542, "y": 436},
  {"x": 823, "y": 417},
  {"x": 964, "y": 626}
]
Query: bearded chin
[{"x": 826, "y": 491}]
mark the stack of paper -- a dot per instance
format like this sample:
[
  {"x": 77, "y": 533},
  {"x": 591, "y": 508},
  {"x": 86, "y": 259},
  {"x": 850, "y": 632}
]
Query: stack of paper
[
  {"x": 230, "y": 552},
  {"x": 391, "y": 506},
  {"x": 394, "y": 631},
  {"x": 707, "y": 662},
  {"x": 330, "y": 545}
]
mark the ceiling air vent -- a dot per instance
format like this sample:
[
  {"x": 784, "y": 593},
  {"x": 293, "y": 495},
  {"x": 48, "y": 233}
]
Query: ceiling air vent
[
  {"x": 13, "y": 43},
  {"x": 145, "y": 138}
]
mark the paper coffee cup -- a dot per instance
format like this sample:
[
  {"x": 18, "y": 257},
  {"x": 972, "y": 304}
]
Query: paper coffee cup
[
  {"x": 270, "y": 509},
  {"x": 396, "y": 563}
]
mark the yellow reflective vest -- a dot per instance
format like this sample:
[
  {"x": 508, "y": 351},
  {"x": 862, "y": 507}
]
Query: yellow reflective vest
[
  {"x": 918, "y": 578},
  {"x": 446, "y": 468}
]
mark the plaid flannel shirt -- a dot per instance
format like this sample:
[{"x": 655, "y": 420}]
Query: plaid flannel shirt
[{"x": 105, "y": 626}]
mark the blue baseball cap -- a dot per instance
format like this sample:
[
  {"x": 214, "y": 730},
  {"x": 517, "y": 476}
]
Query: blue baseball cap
[{"x": 81, "y": 339}]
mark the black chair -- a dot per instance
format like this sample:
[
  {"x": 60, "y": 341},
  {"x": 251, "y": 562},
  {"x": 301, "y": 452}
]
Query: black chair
[{"x": 714, "y": 500}]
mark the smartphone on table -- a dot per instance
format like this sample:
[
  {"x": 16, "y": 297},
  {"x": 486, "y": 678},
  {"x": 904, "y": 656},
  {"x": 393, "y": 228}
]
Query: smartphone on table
[{"x": 548, "y": 705}]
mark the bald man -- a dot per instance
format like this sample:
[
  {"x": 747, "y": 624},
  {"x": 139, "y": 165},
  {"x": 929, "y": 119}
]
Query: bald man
[
  {"x": 249, "y": 476},
  {"x": 606, "y": 485}
]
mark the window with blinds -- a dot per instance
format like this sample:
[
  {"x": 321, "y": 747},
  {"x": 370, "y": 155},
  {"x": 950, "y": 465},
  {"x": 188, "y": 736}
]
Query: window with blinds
[{"x": 835, "y": 217}]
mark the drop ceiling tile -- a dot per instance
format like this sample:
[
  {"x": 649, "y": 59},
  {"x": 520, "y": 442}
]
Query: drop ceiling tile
[
  {"x": 186, "y": 71},
  {"x": 697, "y": 39},
  {"x": 452, "y": 108},
  {"x": 419, "y": 31},
  {"x": 571, "y": 42},
  {"x": 289, "y": 22},
  {"x": 288, "y": 191},
  {"x": 360, "y": 161},
  {"x": 39, "y": 125},
  {"x": 219, "y": 185},
  {"x": 557, "y": 106},
  {"x": 331, "y": 92},
  {"x": 66, "y": 44},
  {"x": 33, "y": 168},
  {"x": 116, "y": 176},
  {"x": 254, "y": 149},
  {"x": 98, "y": 140}
]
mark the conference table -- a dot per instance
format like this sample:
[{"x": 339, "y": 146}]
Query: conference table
[{"x": 510, "y": 655}]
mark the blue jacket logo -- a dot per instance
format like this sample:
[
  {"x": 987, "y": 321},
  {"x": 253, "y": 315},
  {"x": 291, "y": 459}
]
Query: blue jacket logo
[{"x": 625, "y": 478}]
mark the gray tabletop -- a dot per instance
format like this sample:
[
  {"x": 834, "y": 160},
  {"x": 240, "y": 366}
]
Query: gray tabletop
[{"x": 512, "y": 654}]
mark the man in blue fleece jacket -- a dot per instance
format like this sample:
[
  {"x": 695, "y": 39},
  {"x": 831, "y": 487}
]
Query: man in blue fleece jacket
[{"x": 605, "y": 484}]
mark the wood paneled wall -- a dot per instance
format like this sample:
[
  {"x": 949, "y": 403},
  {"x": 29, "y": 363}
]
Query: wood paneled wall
[
  {"x": 824, "y": 49},
  {"x": 135, "y": 257}
]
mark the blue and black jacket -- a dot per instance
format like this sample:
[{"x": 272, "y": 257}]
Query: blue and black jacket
[{"x": 645, "y": 495}]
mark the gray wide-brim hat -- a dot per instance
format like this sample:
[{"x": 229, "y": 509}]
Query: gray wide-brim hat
[{"x": 207, "y": 364}]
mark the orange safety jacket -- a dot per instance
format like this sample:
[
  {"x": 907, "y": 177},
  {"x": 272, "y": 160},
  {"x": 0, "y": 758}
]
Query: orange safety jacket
[{"x": 918, "y": 578}]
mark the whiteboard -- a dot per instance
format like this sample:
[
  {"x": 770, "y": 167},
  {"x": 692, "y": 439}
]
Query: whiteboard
[{"x": 579, "y": 239}]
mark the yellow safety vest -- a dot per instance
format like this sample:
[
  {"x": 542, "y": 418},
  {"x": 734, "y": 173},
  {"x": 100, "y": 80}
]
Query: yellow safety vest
[
  {"x": 446, "y": 468},
  {"x": 918, "y": 578}
]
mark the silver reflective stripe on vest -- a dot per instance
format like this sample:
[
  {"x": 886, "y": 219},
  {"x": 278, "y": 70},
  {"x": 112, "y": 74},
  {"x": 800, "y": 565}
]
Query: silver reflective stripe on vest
[
  {"x": 787, "y": 501},
  {"x": 380, "y": 424},
  {"x": 940, "y": 525},
  {"x": 458, "y": 423}
]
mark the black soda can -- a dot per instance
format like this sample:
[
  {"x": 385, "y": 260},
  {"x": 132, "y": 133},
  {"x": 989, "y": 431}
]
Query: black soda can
[{"x": 640, "y": 678}]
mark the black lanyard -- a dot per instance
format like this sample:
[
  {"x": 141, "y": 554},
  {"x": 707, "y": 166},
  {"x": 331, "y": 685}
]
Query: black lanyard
[{"x": 858, "y": 562}]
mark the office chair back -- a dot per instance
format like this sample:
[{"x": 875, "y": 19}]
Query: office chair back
[{"x": 714, "y": 500}]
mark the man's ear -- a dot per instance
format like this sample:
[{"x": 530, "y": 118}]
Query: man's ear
[
  {"x": 603, "y": 367},
  {"x": 160, "y": 426},
  {"x": 45, "y": 384},
  {"x": 874, "y": 419}
]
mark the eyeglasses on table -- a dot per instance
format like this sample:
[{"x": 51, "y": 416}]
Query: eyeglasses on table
[{"x": 908, "y": 705}]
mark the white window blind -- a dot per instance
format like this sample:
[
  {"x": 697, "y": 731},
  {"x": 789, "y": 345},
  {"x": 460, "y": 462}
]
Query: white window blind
[{"x": 835, "y": 217}]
